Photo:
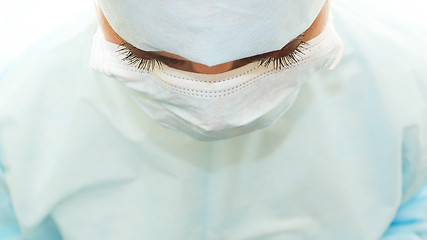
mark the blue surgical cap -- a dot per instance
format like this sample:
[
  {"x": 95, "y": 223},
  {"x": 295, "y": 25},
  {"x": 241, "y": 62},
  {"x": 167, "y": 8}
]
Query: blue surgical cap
[{"x": 210, "y": 32}]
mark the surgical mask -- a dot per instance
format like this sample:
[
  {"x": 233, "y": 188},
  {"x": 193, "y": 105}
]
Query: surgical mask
[{"x": 218, "y": 106}]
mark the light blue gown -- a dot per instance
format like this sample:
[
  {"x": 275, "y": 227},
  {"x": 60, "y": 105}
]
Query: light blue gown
[{"x": 80, "y": 161}]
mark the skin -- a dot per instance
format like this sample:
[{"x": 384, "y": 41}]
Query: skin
[{"x": 178, "y": 62}]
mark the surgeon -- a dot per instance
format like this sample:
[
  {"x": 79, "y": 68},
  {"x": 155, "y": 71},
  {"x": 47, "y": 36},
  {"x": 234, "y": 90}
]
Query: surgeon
[{"x": 218, "y": 120}]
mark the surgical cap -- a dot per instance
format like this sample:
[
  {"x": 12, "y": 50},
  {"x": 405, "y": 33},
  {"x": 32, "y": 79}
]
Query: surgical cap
[{"x": 210, "y": 32}]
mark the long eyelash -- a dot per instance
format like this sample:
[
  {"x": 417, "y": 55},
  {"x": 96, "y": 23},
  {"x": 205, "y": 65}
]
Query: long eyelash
[
  {"x": 140, "y": 63},
  {"x": 286, "y": 61},
  {"x": 148, "y": 65}
]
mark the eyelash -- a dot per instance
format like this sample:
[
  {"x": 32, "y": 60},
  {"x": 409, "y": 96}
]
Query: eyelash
[
  {"x": 285, "y": 61},
  {"x": 148, "y": 64},
  {"x": 140, "y": 63}
]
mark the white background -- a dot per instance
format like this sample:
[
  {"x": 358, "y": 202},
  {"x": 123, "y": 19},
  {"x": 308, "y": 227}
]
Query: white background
[{"x": 25, "y": 21}]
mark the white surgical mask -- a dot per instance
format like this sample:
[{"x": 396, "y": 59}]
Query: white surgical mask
[{"x": 218, "y": 106}]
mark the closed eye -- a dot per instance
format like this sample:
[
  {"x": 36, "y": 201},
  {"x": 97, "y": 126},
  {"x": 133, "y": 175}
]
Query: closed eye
[{"x": 148, "y": 61}]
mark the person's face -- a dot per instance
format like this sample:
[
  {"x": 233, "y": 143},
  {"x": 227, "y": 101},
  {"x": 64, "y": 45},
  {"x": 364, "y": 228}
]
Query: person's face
[{"x": 181, "y": 63}]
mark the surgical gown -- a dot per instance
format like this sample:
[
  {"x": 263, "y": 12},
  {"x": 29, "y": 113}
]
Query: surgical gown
[{"x": 80, "y": 160}]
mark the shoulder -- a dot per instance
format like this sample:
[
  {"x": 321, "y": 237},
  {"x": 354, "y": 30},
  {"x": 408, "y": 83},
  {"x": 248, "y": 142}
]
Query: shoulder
[
  {"x": 385, "y": 56},
  {"x": 49, "y": 72},
  {"x": 39, "y": 91}
]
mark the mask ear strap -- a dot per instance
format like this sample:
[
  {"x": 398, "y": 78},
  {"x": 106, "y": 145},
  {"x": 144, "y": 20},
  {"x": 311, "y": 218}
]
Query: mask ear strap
[
  {"x": 338, "y": 53},
  {"x": 97, "y": 56}
]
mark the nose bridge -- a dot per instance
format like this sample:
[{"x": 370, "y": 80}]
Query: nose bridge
[{"x": 200, "y": 68}]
